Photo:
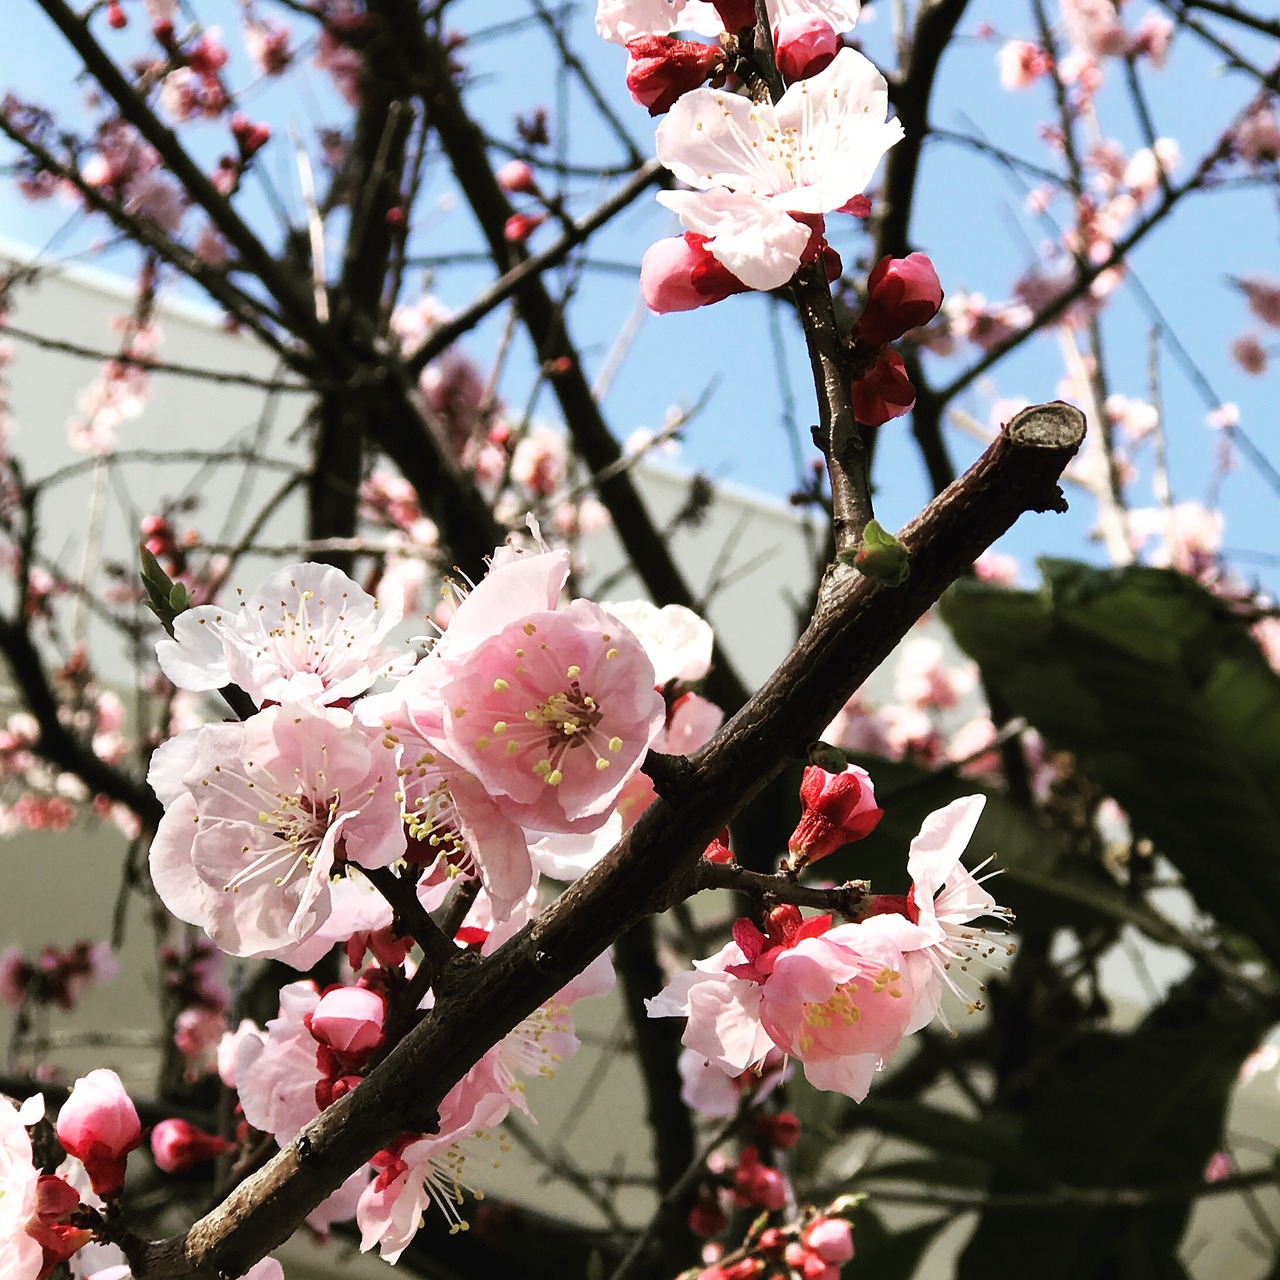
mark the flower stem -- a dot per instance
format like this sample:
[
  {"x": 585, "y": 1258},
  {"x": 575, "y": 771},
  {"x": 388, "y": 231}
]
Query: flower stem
[{"x": 838, "y": 433}]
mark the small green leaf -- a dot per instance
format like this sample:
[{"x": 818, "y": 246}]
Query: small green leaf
[{"x": 879, "y": 555}]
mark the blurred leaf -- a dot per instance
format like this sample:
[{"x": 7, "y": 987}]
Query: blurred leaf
[
  {"x": 1141, "y": 1110},
  {"x": 1166, "y": 702},
  {"x": 885, "y": 1254}
]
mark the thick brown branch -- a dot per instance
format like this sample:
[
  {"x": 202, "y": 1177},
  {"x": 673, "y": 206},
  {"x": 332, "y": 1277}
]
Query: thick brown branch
[{"x": 857, "y": 624}]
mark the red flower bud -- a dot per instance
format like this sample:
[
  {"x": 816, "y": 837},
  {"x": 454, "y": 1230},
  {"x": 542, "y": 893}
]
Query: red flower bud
[
  {"x": 804, "y": 44},
  {"x": 680, "y": 274},
  {"x": 706, "y": 1218},
  {"x": 838, "y": 808},
  {"x": 884, "y": 391},
  {"x": 661, "y": 68},
  {"x": 520, "y": 226},
  {"x": 781, "y": 1131},
  {"x": 718, "y": 850},
  {"x": 178, "y": 1145},
  {"x": 902, "y": 294},
  {"x": 117, "y": 19},
  {"x": 250, "y": 137}
]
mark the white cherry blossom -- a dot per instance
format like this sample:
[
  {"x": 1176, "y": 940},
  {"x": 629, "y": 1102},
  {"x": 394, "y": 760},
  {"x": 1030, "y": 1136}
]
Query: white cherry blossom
[
  {"x": 757, "y": 164},
  {"x": 621, "y": 20},
  {"x": 309, "y": 633}
]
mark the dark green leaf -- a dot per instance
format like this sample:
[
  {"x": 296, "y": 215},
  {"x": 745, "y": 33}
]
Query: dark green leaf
[{"x": 1166, "y": 702}]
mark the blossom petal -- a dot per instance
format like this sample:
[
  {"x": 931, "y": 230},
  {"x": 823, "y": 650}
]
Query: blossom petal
[{"x": 760, "y": 243}]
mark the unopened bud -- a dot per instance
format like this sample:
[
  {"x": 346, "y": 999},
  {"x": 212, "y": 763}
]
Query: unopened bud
[
  {"x": 99, "y": 1125},
  {"x": 516, "y": 176},
  {"x": 520, "y": 226},
  {"x": 884, "y": 391},
  {"x": 902, "y": 294},
  {"x": 804, "y": 44},
  {"x": 661, "y": 68},
  {"x": 348, "y": 1021},
  {"x": 680, "y": 274},
  {"x": 178, "y": 1145},
  {"x": 838, "y": 808}
]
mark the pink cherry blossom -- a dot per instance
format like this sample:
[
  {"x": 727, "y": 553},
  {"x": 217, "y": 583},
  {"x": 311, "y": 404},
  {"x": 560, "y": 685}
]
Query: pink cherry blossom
[
  {"x": 420, "y": 1171},
  {"x": 723, "y": 1012},
  {"x": 839, "y": 1000},
  {"x": 276, "y": 1071},
  {"x": 308, "y": 634},
  {"x": 945, "y": 899},
  {"x": 341, "y": 1205},
  {"x": 259, "y": 815},
  {"x": 924, "y": 678},
  {"x": 757, "y": 164},
  {"x": 1022, "y": 64},
  {"x": 98, "y": 1124},
  {"x": 448, "y": 813},
  {"x": 552, "y": 714},
  {"x": 20, "y": 1255}
]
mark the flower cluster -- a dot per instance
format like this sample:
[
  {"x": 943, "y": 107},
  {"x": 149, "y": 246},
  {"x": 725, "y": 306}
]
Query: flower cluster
[
  {"x": 839, "y": 998},
  {"x": 526, "y": 720}
]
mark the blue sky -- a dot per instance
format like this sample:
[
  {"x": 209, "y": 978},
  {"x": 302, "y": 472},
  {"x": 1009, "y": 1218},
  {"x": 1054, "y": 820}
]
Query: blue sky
[{"x": 739, "y": 354}]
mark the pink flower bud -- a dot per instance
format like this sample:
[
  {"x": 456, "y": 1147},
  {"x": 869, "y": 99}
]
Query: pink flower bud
[
  {"x": 830, "y": 1238},
  {"x": 902, "y": 294},
  {"x": 804, "y": 44},
  {"x": 884, "y": 391},
  {"x": 516, "y": 176},
  {"x": 178, "y": 1146},
  {"x": 838, "y": 808},
  {"x": 348, "y": 1020},
  {"x": 661, "y": 68},
  {"x": 680, "y": 274},
  {"x": 99, "y": 1126}
]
